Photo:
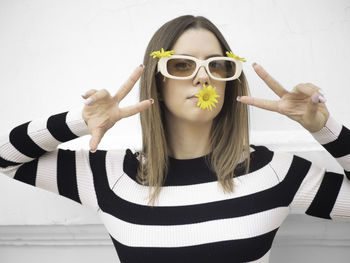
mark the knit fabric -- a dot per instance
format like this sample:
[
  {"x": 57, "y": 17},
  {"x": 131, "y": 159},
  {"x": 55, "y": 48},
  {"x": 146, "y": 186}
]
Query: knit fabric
[{"x": 193, "y": 220}]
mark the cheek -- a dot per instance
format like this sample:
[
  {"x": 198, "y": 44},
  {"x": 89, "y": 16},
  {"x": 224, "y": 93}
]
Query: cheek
[
  {"x": 171, "y": 95},
  {"x": 220, "y": 90}
]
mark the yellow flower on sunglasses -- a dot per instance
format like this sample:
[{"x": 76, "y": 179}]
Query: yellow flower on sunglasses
[
  {"x": 207, "y": 97},
  {"x": 162, "y": 53},
  {"x": 231, "y": 55}
]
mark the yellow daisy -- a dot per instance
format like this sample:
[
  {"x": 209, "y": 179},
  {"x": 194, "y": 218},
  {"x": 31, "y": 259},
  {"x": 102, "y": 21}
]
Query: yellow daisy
[
  {"x": 231, "y": 55},
  {"x": 162, "y": 53},
  {"x": 207, "y": 97}
]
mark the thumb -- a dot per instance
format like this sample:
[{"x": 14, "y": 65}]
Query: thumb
[{"x": 95, "y": 139}]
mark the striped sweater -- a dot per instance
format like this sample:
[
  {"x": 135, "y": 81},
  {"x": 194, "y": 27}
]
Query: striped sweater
[{"x": 193, "y": 220}]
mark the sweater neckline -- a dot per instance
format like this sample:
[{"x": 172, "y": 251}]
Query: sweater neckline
[
  {"x": 195, "y": 170},
  {"x": 188, "y": 160}
]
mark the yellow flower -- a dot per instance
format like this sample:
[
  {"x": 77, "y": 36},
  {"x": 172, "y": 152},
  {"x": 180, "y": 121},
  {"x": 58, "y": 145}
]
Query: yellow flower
[
  {"x": 162, "y": 53},
  {"x": 207, "y": 97},
  {"x": 231, "y": 55}
]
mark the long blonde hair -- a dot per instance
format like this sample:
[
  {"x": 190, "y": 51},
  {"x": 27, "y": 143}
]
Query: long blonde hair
[{"x": 229, "y": 135}]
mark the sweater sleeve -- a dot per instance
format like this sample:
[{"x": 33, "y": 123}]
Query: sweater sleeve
[
  {"x": 322, "y": 193},
  {"x": 29, "y": 154}
]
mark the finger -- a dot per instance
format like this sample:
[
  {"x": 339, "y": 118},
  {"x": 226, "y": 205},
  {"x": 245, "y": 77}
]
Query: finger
[
  {"x": 269, "y": 80},
  {"x": 88, "y": 93},
  {"x": 316, "y": 94},
  {"x": 97, "y": 96},
  {"x": 316, "y": 98},
  {"x": 127, "y": 86},
  {"x": 131, "y": 110},
  {"x": 260, "y": 103},
  {"x": 96, "y": 136}
]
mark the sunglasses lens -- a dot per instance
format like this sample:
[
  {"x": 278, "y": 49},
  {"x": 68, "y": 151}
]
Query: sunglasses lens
[
  {"x": 222, "y": 68},
  {"x": 180, "y": 67}
]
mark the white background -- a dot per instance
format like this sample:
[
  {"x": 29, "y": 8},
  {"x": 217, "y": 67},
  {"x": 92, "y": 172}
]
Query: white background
[{"x": 53, "y": 51}]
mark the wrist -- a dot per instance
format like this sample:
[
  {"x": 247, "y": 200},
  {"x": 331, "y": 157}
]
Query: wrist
[{"x": 329, "y": 132}]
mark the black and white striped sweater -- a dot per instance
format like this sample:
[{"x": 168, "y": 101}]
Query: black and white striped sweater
[{"x": 193, "y": 220}]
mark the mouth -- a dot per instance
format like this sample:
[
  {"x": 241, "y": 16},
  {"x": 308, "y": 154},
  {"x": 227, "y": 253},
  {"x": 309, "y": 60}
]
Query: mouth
[{"x": 193, "y": 98}]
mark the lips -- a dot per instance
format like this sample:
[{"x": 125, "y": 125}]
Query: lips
[{"x": 193, "y": 96}]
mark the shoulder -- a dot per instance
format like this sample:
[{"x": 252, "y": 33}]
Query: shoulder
[
  {"x": 260, "y": 156},
  {"x": 266, "y": 154},
  {"x": 114, "y": 160},
  {"x": 260, "y": 150},
  {"x": 277, "y": 156},
  {"x": 286, "y": 165},
  {"x": 131, "y": 160},
  {"x": 280, "y": 161}
]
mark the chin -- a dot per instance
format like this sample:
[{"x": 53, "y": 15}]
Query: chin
[{"x": 199, "y": 115}]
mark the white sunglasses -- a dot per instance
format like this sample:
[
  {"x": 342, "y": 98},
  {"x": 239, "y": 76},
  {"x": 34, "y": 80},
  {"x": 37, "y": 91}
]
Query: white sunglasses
[{"x": 186, "y": 67}]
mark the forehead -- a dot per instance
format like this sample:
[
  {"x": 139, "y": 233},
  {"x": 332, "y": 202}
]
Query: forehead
[{"x": 197, "y": 42}]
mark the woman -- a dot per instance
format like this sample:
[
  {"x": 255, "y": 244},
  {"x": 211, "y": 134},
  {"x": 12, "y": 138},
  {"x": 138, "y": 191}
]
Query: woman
[{"x": 187, "y": 152}]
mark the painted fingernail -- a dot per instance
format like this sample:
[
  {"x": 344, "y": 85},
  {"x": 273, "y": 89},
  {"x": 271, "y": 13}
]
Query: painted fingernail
[
  {"x": 238, "y": 98},
  {"x": 321, "y": 91},
  {"x": 88, "y": 101},
  {"x": 315, "y": 99},
  {"x": 322, "y": 99},
  {"x": 84, "y": 94},
  {"x": 151, "y": 100}
]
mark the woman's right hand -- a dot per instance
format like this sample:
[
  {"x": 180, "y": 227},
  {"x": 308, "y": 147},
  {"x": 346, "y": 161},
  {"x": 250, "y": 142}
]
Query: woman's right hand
[{"x": 103, "y": 111}]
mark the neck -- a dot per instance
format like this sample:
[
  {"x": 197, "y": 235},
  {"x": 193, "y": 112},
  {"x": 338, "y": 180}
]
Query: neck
[{"x": 188, "y": 139}]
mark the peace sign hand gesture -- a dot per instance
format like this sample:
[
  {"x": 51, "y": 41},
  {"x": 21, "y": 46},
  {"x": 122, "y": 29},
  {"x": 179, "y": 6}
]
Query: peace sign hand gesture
[{"x": 304, "y": 104}]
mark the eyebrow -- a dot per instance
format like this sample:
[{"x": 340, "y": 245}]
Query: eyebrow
[{"x": 210, "y": 56}]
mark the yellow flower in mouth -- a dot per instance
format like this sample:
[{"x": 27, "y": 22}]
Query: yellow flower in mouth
[
  {"x": 207, "y": 97},
  {"x": 231, "y": 55},
  {"x": 162, "y": 53}
]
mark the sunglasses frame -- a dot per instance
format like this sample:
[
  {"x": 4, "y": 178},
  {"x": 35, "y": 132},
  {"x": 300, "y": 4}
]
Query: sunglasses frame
[{"x": 162, "y": 68}]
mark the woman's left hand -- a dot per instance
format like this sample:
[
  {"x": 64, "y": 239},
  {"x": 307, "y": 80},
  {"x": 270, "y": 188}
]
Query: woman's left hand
[{"x": 304, "y": 104}]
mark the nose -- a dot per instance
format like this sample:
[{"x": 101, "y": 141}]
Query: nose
[{"x": 201, "y": 77}]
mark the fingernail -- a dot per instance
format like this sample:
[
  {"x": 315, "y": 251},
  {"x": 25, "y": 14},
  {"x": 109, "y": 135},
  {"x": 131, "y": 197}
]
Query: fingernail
[
  {"x": 322, "y": 99},
  {"x": 84, "y": 94},
  {"x": 254, "y": 64},
  {"x": 238, "y": 98},
  {"x": 88, "y": 101},
  {"x": 321, "y": 91},
  {"x": 315, "y": 98},
  {"x": 152, "y": 100}
]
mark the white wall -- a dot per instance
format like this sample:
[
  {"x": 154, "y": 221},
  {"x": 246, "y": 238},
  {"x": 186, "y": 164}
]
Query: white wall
[{"x": 53, "y": 51}]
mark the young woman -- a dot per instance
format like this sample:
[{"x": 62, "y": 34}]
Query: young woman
[{"x": 216, "y": 197}]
